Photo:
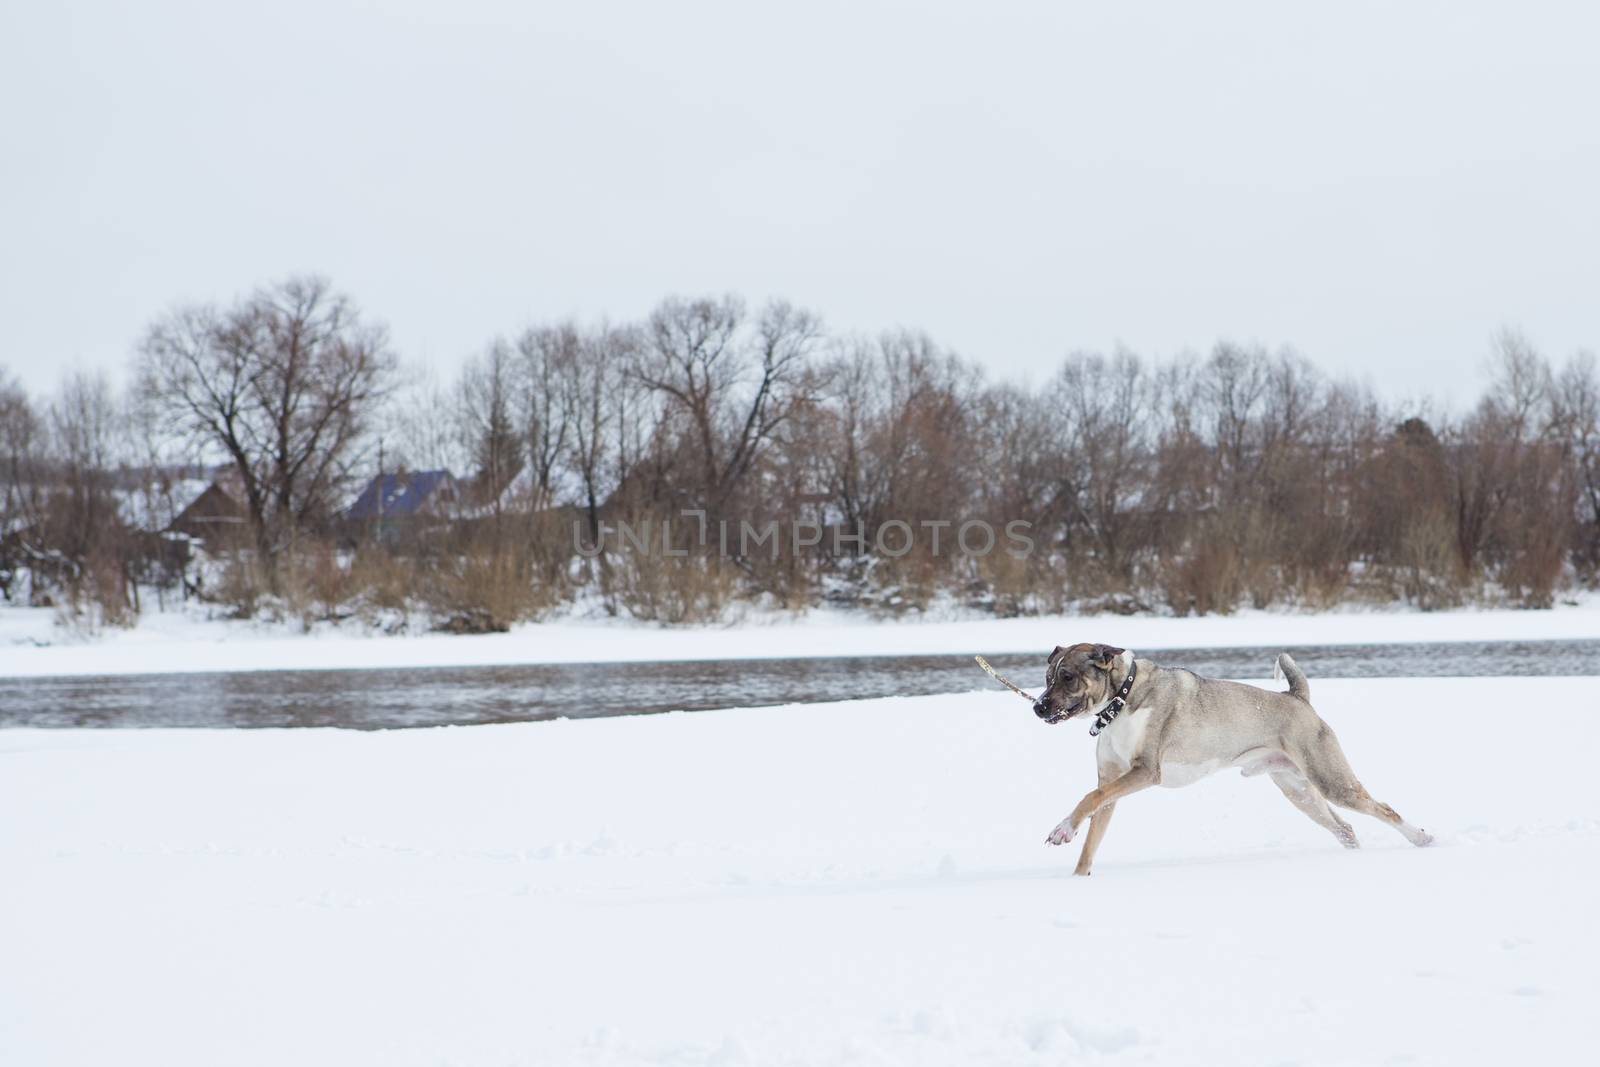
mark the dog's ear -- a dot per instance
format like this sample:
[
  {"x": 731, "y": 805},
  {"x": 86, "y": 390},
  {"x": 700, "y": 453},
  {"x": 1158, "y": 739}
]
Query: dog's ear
[
  {"x": 1057, "y": 652},
  {"x": 1104, "y": 656}
]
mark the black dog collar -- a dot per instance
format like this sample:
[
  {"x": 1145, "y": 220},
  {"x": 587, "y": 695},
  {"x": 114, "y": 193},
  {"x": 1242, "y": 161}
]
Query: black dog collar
[{"x": 1118, "y": 702}]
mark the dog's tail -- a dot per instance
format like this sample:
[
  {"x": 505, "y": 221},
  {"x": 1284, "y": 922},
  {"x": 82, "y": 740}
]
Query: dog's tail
[{"x": 1287, "y": 671}]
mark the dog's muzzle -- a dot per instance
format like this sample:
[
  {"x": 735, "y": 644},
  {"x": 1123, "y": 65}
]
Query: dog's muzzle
[{"x": 1041, "y": 708}]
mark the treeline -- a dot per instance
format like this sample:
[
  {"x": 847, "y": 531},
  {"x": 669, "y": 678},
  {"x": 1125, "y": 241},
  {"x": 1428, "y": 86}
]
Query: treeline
[{"x": 605, "y": 465}]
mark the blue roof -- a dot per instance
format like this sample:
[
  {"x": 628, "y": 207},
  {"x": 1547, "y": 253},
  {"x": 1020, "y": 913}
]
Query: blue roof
[{"x": 402, "y": 495}]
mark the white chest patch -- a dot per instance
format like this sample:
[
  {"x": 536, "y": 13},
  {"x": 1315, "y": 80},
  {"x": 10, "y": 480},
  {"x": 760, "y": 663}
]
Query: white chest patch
[{"x": 1120, "y": 741}]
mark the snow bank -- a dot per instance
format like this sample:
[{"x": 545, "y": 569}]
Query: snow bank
[
  {"x": 858, "y": 883},
  {"x": 176, "y": 642}
]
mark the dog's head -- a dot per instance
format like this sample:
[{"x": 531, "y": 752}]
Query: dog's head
[{"x": 1076, "y": 679}]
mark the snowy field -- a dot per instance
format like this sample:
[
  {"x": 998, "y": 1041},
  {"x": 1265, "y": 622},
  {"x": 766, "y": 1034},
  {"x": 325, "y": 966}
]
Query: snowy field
[
  {"x": 32, "y": 645},
  {"x": 855, "y": 883}
]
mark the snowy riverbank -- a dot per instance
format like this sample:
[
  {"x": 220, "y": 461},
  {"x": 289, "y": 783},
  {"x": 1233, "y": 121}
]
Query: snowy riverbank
[
  {"x": 856, "y": 883},
  {"x": 31, "y": 645}
]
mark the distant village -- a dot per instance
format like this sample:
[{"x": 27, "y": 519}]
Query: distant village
[
  {"x": 337, "y": 487},
  {"x": 210, "y": 509}
]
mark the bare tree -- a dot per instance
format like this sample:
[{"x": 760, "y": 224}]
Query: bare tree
[
  {"x": 1575, "y": 414},
  {"x": 900, "y": 413},
  {"x": 19, "y": 444},
  {"x": 21, "y": 488},
  {"x": 283, "y": 384},
  {"x": 597, "y": 401},
  {"x": 733, "y": 383},
  {"x": 548, "y": 356},
  {"x": 848, "y": 408},
  {"x": 902, "y": 407},
  {"x": 1520, "y": 383},
  {"x": 486, "y": 404},
  {"x": 1232, "y": 387},
  {"x": 84, "y": 529},
  {"x": 1102, "y": 408},
  {"x": 422, "y": 426}
]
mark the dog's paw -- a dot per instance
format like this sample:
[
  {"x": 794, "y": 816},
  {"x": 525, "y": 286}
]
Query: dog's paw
[{"x": 1062, "y": 833}]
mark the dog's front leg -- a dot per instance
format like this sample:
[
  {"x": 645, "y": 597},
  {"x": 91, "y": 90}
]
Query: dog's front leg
[
  {"x": 1098, "y": 822},
  {"x": 1137, "y": 778}
]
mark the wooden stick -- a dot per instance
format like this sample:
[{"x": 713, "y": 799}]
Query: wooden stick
[{"x": 985, "y": 665}]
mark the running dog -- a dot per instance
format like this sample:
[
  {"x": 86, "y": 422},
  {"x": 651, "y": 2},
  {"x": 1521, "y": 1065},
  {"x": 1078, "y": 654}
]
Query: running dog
[{"x": 1168, "y": 726}]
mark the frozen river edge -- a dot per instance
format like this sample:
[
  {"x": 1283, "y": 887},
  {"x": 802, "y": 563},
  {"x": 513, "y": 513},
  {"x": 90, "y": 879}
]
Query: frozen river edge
[{"x": 859, "y": 882}]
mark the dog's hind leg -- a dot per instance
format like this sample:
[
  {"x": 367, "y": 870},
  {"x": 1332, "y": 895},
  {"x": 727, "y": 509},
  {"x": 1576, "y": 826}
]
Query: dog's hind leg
[
  {"x": 1340, "y": 786},
  {"x": 1358, "y": 799},
  {"x": 1330, "y": 772},
  {"x": 1097, "y": 829},
  {"x": 1303, "y": 795}
]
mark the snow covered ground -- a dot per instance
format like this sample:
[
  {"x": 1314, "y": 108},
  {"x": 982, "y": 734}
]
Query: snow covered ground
[
  {"x": 32, "y": 645},
  {"x": 855, "y": 883}
]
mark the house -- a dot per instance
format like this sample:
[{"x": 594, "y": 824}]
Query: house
[
  {"x": 406, "y": 496},
  {"x": 215, "y": 516}
]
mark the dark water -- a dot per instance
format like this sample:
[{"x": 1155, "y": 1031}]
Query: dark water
[{"x": 436, "y": 696}]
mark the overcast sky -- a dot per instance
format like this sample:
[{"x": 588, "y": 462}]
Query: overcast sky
[{"x": 1380, "y": 185}]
